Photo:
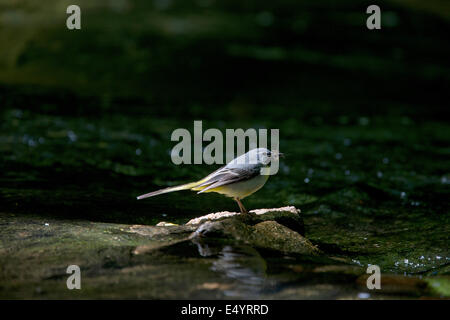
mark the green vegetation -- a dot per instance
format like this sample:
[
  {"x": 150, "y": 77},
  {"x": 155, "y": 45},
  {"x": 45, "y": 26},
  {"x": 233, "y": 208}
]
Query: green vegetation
[{"x": 86, "y": 118}]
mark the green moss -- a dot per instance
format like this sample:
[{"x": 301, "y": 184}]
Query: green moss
[{"x": 440, "y": 285}]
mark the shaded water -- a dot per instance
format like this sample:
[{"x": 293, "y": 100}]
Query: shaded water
[{"x": 87, "y": 118}]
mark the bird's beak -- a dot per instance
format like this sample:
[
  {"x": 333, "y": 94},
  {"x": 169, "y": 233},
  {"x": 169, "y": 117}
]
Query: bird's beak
[{"x": 277, "y": 155}]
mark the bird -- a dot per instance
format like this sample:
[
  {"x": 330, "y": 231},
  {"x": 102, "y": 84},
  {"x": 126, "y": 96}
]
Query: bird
[{"x": 238, "y": 179}]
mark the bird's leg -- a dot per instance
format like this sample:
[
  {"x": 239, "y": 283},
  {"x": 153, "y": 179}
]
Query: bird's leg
[{"x": 241, "y": 206}]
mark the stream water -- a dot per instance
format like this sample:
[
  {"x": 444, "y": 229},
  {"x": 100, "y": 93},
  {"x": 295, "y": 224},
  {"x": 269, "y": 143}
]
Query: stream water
[{"x": 87, "y": 118}]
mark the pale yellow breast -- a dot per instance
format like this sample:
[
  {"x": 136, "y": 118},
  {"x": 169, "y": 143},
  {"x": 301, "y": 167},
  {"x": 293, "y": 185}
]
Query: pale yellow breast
[{"x": 242, "y": 189}]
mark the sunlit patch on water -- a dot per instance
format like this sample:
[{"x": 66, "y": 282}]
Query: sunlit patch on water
[
  {"x": 420, "y": 264},
  {"x": 363, "y": 295}
]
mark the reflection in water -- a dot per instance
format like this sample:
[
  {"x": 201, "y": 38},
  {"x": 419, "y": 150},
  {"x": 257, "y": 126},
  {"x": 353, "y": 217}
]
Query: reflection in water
[
  {"x": 242, "y": 265},
  {"x": 204, "y": 249}
]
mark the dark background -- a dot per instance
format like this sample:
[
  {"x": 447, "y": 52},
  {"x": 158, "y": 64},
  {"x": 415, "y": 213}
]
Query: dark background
[{"x": 87, "y": 115}]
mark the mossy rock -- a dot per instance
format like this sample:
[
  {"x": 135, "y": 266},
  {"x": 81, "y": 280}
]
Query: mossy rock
[{"x": 274, "y": 229}]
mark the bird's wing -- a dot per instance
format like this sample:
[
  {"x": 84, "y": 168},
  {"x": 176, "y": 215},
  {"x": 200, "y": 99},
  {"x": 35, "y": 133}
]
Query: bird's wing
[{"x": 227, "y": 175}]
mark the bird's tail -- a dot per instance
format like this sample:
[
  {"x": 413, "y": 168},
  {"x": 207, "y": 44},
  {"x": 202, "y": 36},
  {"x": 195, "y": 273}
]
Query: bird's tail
[{"x": 186, "y": 186}]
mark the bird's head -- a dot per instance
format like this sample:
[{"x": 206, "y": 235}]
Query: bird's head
[{"x": 262, "y": 156}]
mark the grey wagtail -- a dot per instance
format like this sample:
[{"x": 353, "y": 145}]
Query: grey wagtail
[{"x": 240, "y": 178}]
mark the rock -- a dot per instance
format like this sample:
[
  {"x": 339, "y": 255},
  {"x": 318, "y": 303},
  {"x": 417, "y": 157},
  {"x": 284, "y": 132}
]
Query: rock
[
  {"x": 231, "y": 228},
  {"x": 164, "y": 231},
  {"x": 271, "y": 234},
  {"x": 166, "y": 224},
  {"x": 211, "y": 217},
  {"x": 265, "y": 214},
  {"x": 288, "y": 216},
  {"x": 278, "y": 229}
]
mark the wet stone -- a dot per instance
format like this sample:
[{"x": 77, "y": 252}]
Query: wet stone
[{"x": 278, "y": 229}]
